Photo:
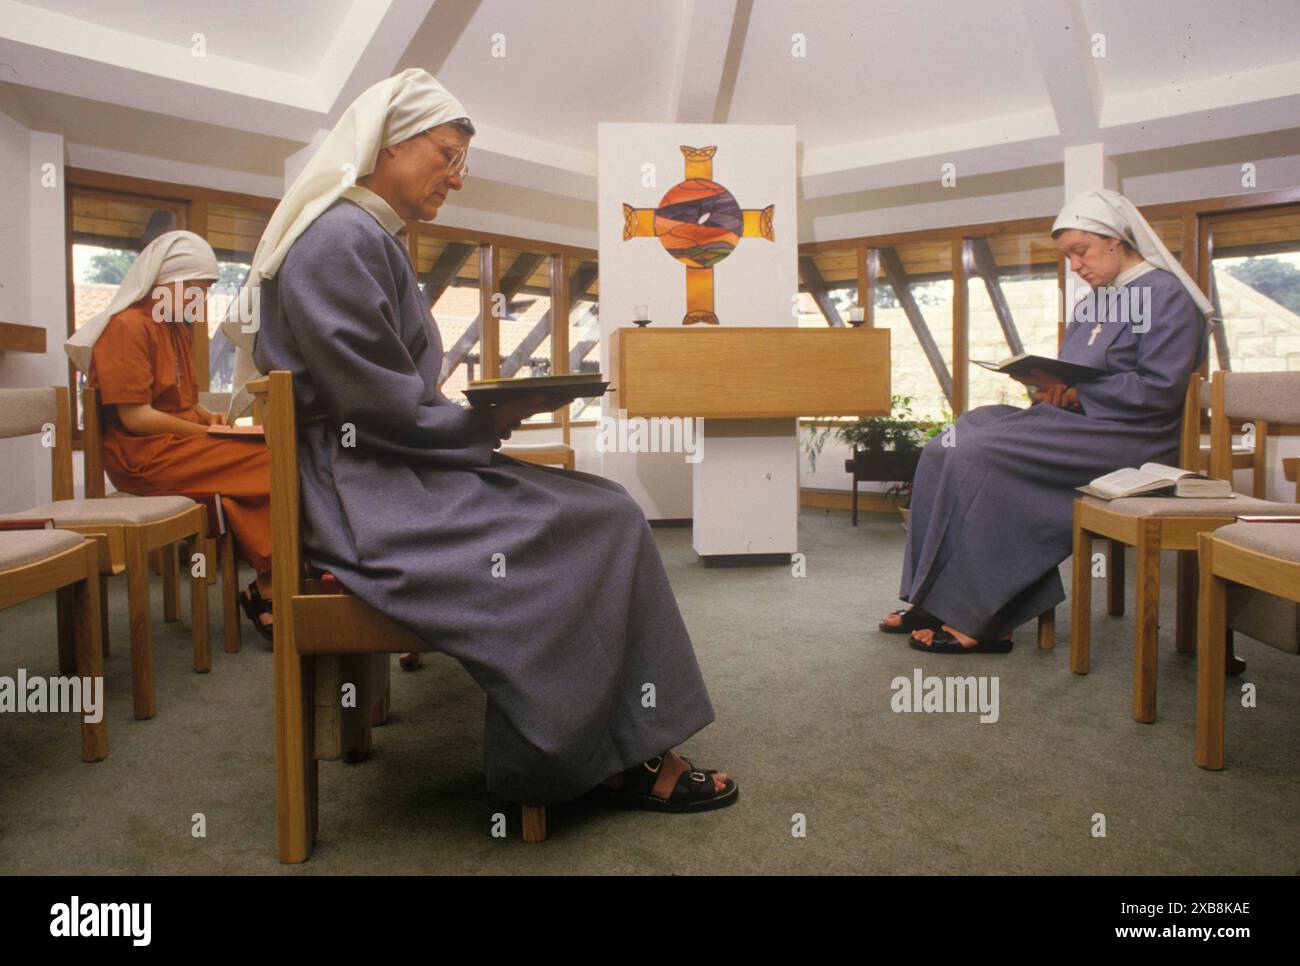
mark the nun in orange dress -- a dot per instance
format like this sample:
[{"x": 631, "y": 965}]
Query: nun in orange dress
[{"x": 155, "y": 434}]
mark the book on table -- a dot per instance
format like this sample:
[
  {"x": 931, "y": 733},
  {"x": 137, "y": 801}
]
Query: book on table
[
  {"x": 1156, "y": 479},
  {"x": 245, "y": 432},
  {"x": 1020, "y": 366},
  {"x": 560, "y": 389}
]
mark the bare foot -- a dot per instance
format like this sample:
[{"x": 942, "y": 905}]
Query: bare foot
[
  {"x": 670, "y": 770},
  {"x": 926, "y": 637}
]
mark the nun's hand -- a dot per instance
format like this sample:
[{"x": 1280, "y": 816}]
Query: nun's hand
[{"x": 1058, "y": 394}]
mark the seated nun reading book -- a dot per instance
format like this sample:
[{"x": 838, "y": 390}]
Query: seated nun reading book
[{"x": 1156, "y": 479}]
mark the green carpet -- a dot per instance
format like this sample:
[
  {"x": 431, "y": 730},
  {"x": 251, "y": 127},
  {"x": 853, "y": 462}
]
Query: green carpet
[{"x": 800, "y": 679}]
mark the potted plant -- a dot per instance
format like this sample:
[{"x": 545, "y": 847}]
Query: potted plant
[{"x": 885, "y": 448}]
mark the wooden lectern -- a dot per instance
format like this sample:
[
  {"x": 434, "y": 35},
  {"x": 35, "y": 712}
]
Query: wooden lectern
[{"x": 750, "y": 384}]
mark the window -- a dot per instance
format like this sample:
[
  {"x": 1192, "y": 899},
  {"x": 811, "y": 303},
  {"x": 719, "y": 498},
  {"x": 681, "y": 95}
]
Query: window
[
  {"x": 1012, "y": 307},
  {"x": 1256, "y": 287}
]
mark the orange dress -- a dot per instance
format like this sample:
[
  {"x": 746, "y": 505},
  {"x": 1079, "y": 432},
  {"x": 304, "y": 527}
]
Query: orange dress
[{"x": 138, "y": 360}]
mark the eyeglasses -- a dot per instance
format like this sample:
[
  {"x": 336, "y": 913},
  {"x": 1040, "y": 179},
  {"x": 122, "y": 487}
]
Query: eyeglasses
[{"x": 454, "y": 155}]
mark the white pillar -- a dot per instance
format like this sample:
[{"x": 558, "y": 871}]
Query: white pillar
[{"x": 1087, "y": 167}]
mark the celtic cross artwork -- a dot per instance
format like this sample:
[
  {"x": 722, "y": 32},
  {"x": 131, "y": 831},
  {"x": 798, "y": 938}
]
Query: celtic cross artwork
[{"x": 699, "y": 223}]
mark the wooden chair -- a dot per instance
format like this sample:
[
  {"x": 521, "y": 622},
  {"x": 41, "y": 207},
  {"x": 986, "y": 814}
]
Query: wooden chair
[
  {"x": 551, "y": 454},
  {"x": 130, "y": 530},
  {"x": 1262, "y": 556},
  {"x": 1153, "y": 524},
  {"x": 35, "y": 562},
  {"x": 1244, "y": 456},
  {"x": 218, "y": 548},
  {"x": 323, "y": 636}
]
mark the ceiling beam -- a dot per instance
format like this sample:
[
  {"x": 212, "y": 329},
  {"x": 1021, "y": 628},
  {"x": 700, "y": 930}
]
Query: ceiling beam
[
  {"x": 701, "y": 51},
  {"x": 1064, "y": 50}
]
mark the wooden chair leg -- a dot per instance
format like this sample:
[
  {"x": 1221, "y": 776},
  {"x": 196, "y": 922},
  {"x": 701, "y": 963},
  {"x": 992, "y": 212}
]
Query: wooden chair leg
[
  {"x": 855, "y": 501},
  {"x": 357, "y": 669},
  {"x": 90, "y": 659},
  {"x": 1185, "y": 603},
  {"x": 1115, "y": 578},
  {"x": 156, "y": 561},
  {"x": 65, "y": 605},
  {"x": 1147, "y": 619},
  {"x": 103, "y": 613},
  {"x": 230, "y": 594},
  {"x": 201, "y": 626},
  {"x": 171, "y": 583},
  {"x": 210, "y": 550},
  {"x": 1211, "y": 649},
  {"x": 534, "y": 823},
  {"x": 382, "y": 694},
  {"x": 137, "y": 602},
  {"x": 297, "y": 772},
  {"x": 1080, "y": 598},
  {"x": 1047, "y": 629}
]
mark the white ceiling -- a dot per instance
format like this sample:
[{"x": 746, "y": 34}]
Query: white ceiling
[{"x": 888, "y": 89}]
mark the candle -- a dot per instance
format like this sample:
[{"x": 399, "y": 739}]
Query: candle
[
  {"x": 855, "y": 315},
  {"x": 642, "y": 313}
]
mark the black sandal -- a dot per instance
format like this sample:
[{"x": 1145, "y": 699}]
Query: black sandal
[
  {"x": 694, "y": 791},
  {"x": 944, "y": 643},
  {"x": 914, "y": 619},
  {"x": 255, "y": 605}
]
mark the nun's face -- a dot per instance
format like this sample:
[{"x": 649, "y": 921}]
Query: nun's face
[
  {"x": 425, "y": 169},
  {"x": 1095, "y": 259}
]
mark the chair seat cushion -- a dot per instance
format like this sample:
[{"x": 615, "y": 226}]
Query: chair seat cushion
[
  {"x": 19, "y": 548},
  {"x": 1166, "y": 506},
  {"x": 1275, "y": 539},
  {"x": 536, "y": 449},
  {"x": 140, "y": 509}
]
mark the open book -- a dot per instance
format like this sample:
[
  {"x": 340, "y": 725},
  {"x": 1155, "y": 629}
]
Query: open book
[
  {"x": 247, "y": 432},
  {"x": 1020, "y": 366},
  {"x": 560, "y": 390},
  {"x": 1156, "y": 479}
]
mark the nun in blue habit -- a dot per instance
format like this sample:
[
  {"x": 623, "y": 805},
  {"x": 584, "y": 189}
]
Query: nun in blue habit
[
  {"x": 992, "y": 505},
  {"x": 546, "y": 585}
]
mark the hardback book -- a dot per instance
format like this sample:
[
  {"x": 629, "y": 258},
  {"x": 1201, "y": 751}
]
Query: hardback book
[
  {"x": 248, "y": 432},
  {"x": 28, "y": 523},
  {"x": 561, "y": 389},
  {"x": 1156, "y": 479},
  {"x": 1020, "y": 366}
]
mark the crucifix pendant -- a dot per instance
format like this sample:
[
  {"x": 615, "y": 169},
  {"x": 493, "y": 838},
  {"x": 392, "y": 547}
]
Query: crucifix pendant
[{"x": 1096, "y": 331}]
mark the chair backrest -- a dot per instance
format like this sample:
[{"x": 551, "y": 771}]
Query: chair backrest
[
  {"x": 273, "y": 396},
  {"x": 1189, "y": 436},
  {"x": 27, "y": 412},
  {"x": 92, "y": 439},
  {"x": 1272, "y": 397}
]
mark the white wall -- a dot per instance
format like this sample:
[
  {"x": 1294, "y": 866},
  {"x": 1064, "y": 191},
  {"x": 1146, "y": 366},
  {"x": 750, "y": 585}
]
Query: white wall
[{"x": 33, "y": 286}]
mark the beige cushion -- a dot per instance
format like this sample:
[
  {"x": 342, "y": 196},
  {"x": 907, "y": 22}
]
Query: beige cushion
[
  {"x": 18, "y": 548},
  {"x": 1165, "y": 506},
  {"x": 1271, "y": 396},
  {"x": 1275, "y": 539},
  {"x": 140, "y": 509},
  {"x": 25, "y": 411}
]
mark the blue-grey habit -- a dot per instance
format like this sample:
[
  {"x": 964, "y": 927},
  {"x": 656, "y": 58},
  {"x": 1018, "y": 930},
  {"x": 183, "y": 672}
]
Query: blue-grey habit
[
  {"x": 992, "y": 515},
  {"x": 411, "y": 519}
]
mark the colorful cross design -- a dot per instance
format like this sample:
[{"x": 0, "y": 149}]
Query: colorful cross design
[{"x": 699, "y": 223}]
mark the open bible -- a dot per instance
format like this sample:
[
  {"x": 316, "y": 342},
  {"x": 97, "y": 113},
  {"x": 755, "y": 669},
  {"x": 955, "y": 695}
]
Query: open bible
[
  {"x": 1156, "y": 479},
  {"x": 1020, "y": 366}
]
